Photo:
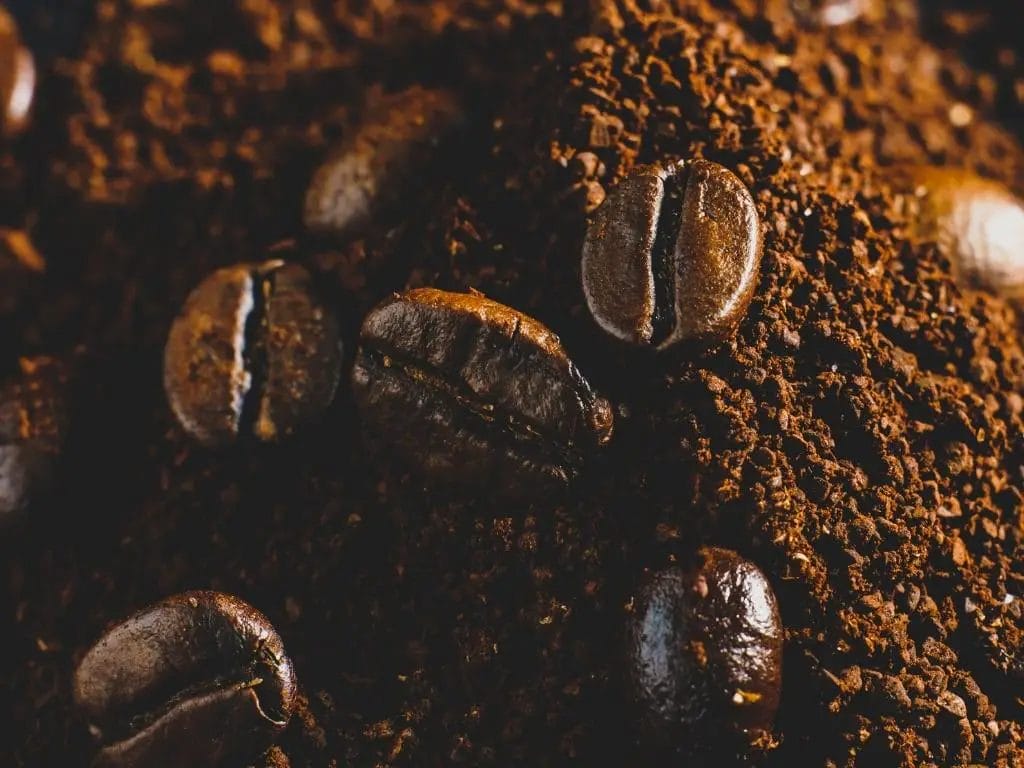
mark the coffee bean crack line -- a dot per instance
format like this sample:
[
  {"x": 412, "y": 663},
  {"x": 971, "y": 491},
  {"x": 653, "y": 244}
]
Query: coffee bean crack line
[
  {"x": 666, "y": 228},
  {"x": 253, "y": 348},
  {"x": 522, "y": 431},
  {"x": 131, "y": 725},
  {"x": 249, "y": 677}
]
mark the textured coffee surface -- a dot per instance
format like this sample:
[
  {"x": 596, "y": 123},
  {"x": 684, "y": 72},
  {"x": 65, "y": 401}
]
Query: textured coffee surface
[
  {"x": 858, "y": 438},
  {"x": 473, "y": 392},
  {"x": 253, "y": 351},
  {"x": 704, "y": 659},
  {"x": 200, "y": 679},
  {"x": 673, "y": 255}
]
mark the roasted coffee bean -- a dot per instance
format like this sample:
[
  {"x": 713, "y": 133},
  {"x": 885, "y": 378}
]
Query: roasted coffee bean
[
  {"x": 673, "y": 255},
  {"x": 977, "y": 222},
  {"x": 469, "y": 390},
  {"x": 253, "y": 352},
  {"x": 17, "y": 78},
  {"x": 200, "y": 679},
  {"x": 383, "y": 155},
  {"x": 829, "y": 13},
  {"x": 704, "y": 657},
  {"x": 33, "y": 425}
]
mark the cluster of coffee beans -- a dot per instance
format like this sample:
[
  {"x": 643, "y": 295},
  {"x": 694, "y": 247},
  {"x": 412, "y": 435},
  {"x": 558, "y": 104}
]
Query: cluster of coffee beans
[
  {"x": 458, "y": 389},
  {"x": 461, "y": 390}
]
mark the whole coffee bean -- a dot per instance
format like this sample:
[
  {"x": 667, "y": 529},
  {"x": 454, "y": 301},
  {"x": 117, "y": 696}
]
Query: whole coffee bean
[
  {"x": 470, "y": 391},
  {"x": 17, "y": 78},
  {"x": 33, "y": 425},
  {"x": 200, "y": 679},
  {"x": 673, "y": 255},
  {"x": 252, "y": 352},
  {"x": 977, "y": 222},
  {"x": 379, "y": 160},
  {"x": 704, "y": 657}
]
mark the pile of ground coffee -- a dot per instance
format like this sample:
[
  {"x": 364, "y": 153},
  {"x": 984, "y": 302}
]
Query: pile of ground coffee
[{"x": 860, "y": 439}]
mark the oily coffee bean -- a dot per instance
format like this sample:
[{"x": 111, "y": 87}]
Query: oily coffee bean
[
  {"x": 252, "y": 352},
  {"x": 33, "y": 424},
  {"x": 704, "y": 656},
  {"x": 673, "y": 255},
  {"x": 200, "y": 679},
  {"x": 469, "y": 390},
  {"x": 17, "y": 78},
  {"x": 977, "y": 222},
  {"x": 381, "y": 157}
]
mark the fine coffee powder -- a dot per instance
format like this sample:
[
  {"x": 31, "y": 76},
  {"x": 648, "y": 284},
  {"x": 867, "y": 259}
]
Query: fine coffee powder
[{"x": 858, "y": 438}]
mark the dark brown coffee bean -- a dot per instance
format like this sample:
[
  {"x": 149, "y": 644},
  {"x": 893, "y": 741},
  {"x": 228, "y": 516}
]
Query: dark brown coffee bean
[
  {"x": 17, "y": 78},
  {"x": 977, "y": 222},
  {"x": 469, "y": 390},
  {"x": 673, "y": 255},
  {"x": 379, "y": 160},
  {"x": 33, "y": 425},
  {"x": 253, "y": 352},
  {"x": 200, "y": 679},
  {"x": 704, "y": 656}
]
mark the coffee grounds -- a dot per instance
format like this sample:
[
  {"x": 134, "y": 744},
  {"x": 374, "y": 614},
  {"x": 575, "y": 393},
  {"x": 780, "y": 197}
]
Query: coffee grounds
[{"x": 860, "y": 439}]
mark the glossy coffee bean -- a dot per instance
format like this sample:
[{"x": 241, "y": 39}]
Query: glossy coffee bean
[
  {"x": 467, "y": 390},
  {"x": 33, "y": 424},
  {"x": 200, "y": 679},
  {"x": 252, "y": 352},
  {"x": 704, "y": 657},
  {"x": 17, "y": 78},
  {"x": 380, "y": 159},
  {"x": 977, "y": 222},
  {"x": 673, "y": 255}
]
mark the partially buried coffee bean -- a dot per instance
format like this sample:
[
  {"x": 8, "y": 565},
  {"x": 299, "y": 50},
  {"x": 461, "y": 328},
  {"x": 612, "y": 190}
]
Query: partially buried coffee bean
[
  {"x": 380, "y": 159},
  {"x": 200, "y": 679},
  {"x": 17, "y": 77},
  {"x": 252, "y": 352},
  {"x": 673, "y": 255},
  {"x": 471, "y": 391},
  {"x": 33, "y": 425},
  {"x": 704, "y": 657},
  {"x": 977, "y": 222}
]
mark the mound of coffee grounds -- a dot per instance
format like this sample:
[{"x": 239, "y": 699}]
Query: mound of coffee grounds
[{"x": 859, "y": 439}]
